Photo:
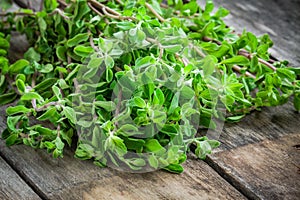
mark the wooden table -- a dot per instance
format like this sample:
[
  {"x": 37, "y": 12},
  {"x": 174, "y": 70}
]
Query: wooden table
[{"x": 257, "y": 159}]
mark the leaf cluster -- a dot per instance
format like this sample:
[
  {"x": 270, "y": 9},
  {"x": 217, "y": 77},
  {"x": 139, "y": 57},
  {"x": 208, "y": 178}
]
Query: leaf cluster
[{"x": 131, "y": 82}]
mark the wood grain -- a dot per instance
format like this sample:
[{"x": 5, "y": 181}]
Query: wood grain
[
  {"x": 12, "y": 186},
  {"x": 270, "y": 123},
  {"x": 69, "y": 178},
  {"x": 256, "y": 155},
  {"x": 265, "y": 170}
]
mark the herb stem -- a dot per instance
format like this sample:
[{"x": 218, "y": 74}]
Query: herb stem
[
  {"x": 207, "y": 39},
  {"x": 62, "y": 2},
  {"x": 120, "y": 2},
  {"x": 245, "y": 110},
  {"x": 77, "y": 89},
  {"x": 92, "y": 42},
  {"x": 161, "y": 49},
  {"x": 110, "y": 15},
  {"x": 198, "y": 51},
  {"x": 154, "y": 12},
  {"x": 46, "y": 106},
  {"x": 118, "y": 105},
  {"x": 242, "y": 53},
  {"x": 10, "y": 82},
  {"x": 95, "y": 10},
  {"x": 60, "y": 12},
  {"x": 101, "y": 6},
  {"x": 249, "y": 56},
  {"x": 239, "y": 69},
  {"x": 58, "y": 130}
]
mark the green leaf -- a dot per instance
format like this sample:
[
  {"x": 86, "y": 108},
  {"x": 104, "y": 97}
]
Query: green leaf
[
  {"x": 50, "y": 5},
  {"x": 59, "y": 144},
  {"x": 107, "y": 105},
  {"x": 20, "y": 85},
  {"x": 117, "y": 144},
  {"x": 84, "y": 151},
  {"x": 158, "y": 97},
  {"x": 95, "y": 63},
  {"x": 209, "y": 63},
  {"x": 57, "y": 153},
  {"x": 57, "y": 92},
  {"x": 49, "y": 145},
  {"x": 235, "y": 118},
  {"x": 31, "y": 95},
  {"x": 70, "y": 114},
  {"x": 4, "y": 44},
  {"x": 297, "y": 101},
  {"x": 203, "y": 148},
  {"x": 237, "y": 60},
  {"x": 46, "y": 68},
  {"x": 253, "y": 42},
  {"x": 173, "y": 48},
  {"x": 50, "y": 114},
  {"x": 12, "y": 139},
  {"x": 45, "y": 84},
  {"x": 3, "y": 52},
  {"x": 109, "y": 62},
  {"x": 141, "y": 36},
  {"x": 7, "y": 98},
  {"x": 139, "y": 162},
  {"x": 42, "y": 25},
  {"x": 139, "y": 102},
  {"x": 31, "y": 55},
  {"x": 5, "y": 4},
  {"x": 152, "y": 145},
  {"x": 83, "y": 51},
  {"x": 286, "y": 73},
  {"x": 61, "y": 53},
  {"x": 214, "y": 143},
  {"x": 144, "y": 62},
  {"x": 12, "y": 121},
  {"x": 187, "y": 92},
  {"x": 4, "y": 65},
  {"x": 18, "y": 66},
  {"x": 153, "y": 161},
  {"x": 221, "y": 12},
  {"x": 17, "y": 110},
  {"x": 134, "y": 144},
  {"x": 174, "y": 168},
  {"x": 82, "y": 37},
  {"x": 125, "y": 25}
]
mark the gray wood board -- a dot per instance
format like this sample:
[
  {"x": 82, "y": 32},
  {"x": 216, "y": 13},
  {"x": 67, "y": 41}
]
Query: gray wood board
[
  {"x": 265, "y": 170},
  {"x": 12, "y": 187},
  {"x": 270, "y": 123},
  {"x": 70, "y": 178}
]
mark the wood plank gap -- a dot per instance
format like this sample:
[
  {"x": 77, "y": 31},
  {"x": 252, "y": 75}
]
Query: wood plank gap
[
  {"x": 24, "y": 177},
  {"x": 231, "y": 180}
]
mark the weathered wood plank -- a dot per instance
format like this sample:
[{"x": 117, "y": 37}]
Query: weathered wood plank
[
  {"x": 69, "y": 178},
  {"x": 12, "y": 186},
  {"x": 280, "y": 19},
  {"x": 270, "y": 123},
  {"x": 265, "y": 170}
]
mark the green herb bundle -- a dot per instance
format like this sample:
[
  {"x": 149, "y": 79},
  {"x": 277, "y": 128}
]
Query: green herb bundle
[{"x": 131, "y": 83}]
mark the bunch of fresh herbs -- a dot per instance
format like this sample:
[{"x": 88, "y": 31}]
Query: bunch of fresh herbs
[{"x": 132, "y": 82}]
